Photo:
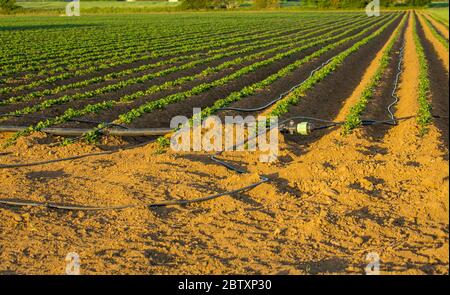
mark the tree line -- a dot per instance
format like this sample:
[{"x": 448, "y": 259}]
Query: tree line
[
  {"x": 7, "y": 5},
  {"x": 336, "y": 4},
  {"x": 363, "y": 3}
]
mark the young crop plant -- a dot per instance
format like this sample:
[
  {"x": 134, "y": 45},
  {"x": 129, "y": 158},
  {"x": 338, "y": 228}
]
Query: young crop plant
[
  {"x": 111, "y": 52},
  {"x": 122, "y": 84},
  {"x": 125, "y": 59},
  {"x": 353, "y": 119},
  {"x": 435, "y": 33},
  {"x": 158, "y": 104},
  {"x": 110, "y": 88},
  {"x": 197, "y": 60},
  {"x": 424, "y": 116},
  {"x": 139, "y": 36},
  {"x": 258, "y": 86},
  {"x": 88, "y": 64},
  {"x": 133, "y": 114},
  {"x": 163, "y": 144},
  {"x": 282, "y": 107}
]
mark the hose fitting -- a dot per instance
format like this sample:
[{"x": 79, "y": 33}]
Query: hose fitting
[{"x": 302, "y": 128}]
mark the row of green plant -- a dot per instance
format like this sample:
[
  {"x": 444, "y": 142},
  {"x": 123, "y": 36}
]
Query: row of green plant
[
  {"x": 96, "y": 108},
  {"x": 179, "y": 81},
  {"x": 353, "y": 118},
  {"x": 92, "y": 40},
  {"x": 72, "y": 74},
  {"x": 197, "y": 59},
  {"x": 261, "y": 85},
  {"x": 46, "y": 43},
  {"x": 435, "y": 33},
  {"x": 262, "y": 41},
  {"x": 128, "y": 59},
  {"x": 424, "y": 117},
  {"x": 113, "y": 87},
  {"x": 160, "y": 103},
  {"x": 89, "y": 42},
  {"x": 153, "y": 89},
  {"x": 111, "y": 56},
  {"x": 218, "y": 54},
  {"x": 92, "y": 46},
  {"x": 282, "y": 107},
  {"x": 90, "y": 36}
]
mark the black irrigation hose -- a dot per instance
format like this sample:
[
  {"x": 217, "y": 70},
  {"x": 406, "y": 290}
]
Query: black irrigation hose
[
  {"x": 107, "y": 124},
  {"x": 280, "y": 97},
  {"x": 30, "y": 164},
  {"x": 397, "y": 78},
  {"x": 71, "y": 120},
  {"x": 365, "y": 122},
  {"x": 160, "y": 204},
  {"x": 263, "y": 179},
  {"x": 10, "y": 202}
]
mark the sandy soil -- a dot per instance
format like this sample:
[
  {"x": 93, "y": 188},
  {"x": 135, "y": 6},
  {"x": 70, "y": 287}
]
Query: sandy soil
[{"x": 329, "y": 203}]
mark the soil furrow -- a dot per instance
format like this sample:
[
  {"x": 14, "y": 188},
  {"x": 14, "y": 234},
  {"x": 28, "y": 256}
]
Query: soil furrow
[
  {"x": 326, "y": 99},
  {"x": 161, "y": 118},
  {"x": 377, "y": 107},
  {"x": 438, "y": 76},
  {"x": 440, "y": 28}
]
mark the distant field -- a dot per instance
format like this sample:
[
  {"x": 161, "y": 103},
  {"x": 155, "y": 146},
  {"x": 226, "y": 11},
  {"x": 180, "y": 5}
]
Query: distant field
[
  {"x": 441, "y": 13},
  {"x": 52, "y": 5},
  {"x": 58, "y": 4}
]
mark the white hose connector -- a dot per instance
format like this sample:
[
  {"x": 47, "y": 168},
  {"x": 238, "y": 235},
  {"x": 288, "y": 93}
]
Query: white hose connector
[{"x": 304, "y": 128}]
